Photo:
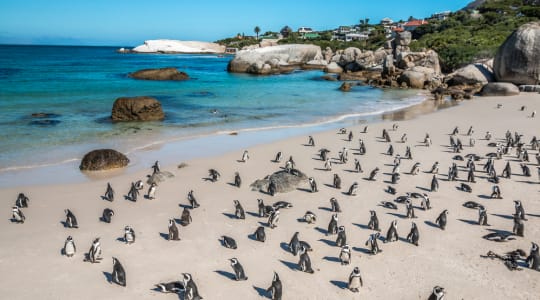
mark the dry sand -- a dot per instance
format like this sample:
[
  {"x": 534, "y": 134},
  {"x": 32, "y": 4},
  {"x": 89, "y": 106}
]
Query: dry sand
[{"x": 32, "y": 267}]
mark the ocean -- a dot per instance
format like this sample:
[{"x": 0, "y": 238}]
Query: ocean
[{"x": 76, "y": 87}]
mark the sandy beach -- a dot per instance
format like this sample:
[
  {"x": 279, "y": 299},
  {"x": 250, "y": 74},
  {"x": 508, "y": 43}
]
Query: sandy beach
[{"x": 32, "y": 266}]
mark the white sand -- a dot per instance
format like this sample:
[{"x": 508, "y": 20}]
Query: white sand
[{"x": 31, "y": 266}]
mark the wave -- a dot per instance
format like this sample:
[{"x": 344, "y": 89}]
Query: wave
[{"x": 35, "y": 166}]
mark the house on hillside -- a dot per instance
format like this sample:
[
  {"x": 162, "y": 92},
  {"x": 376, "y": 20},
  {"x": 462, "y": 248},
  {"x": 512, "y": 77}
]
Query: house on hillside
[
  {"x": 304, "y": 30},
  {"x": 412, "y": 25},
  {"x": 440, "y": 15},
  {"x": 387, "y": 22}
]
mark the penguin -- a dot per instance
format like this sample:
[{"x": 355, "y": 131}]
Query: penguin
[
  {"x": 373, "y": 223},
  {"x": 373, "y": 174},
  {"x": 507, "y": 171},
  {"x": 408, "y": 153},
  {"x": 334, "y": 205},
  {"x": 519, "y": 226},
  {"x": 109, "y": 193},
  {"x": 435, "y": 168},
  {"x": 71, "y": 221},
  {"x": 107, "y": 215},
  {"x": 191, "y": 291},
  {"x": 357, "y": 166},
  {"x": 533, "y": 260},
  {"x": 323, "y": 154},
  {"x": 390, "y": 190},
  {"x": 410, "y": 209},
  {"x": 228, "y": 242},
  {"x": 488, "y": 136},
  {"x": 133, "y": 192},
  {"x": 214, "y": 175},
  {"x": 388, "y": 204},
  {"x": 273, "y": 219},
  {"x": 470, "y": 131},
  {"x": 278, "y": 157},
  {"x": 264, "y": 210},
  {"x": 118, "y": 274},
  {"x": 372, "y": 243},
  {"x": 390, "y": 150},
  {"x": 441, "y": 219},
  {"x": 413, "y": 235},
  {"x": 282, "y": 204},
  {"x": 309, "y": 217},
  {"x": 69, "y": 247},
  {"x": 294, "y": 244},
  {"x": 259, "y": 234},
  {"x": 337, "y": 182},
  {"x": 313, "y": 185},
  {"x": 192, "y": 200},
  {"x": 392, "y": 235},
  {"x": 427, "y": 141},
  {"x": 471, "y": 204},
  {"x": 341, "y": 239},
  {"x": 271, "y": 188},
  {"x": 415, "y": 168},
  {"x": 155, "y": 168},
  {"x": 237, "y": 180},
  {"x": 434, "y": 184},
  {"x": 353, "y": 189},
  {"x": 333, "y": 226},
  {"x": 437, "y": 293},
  {"x": 129, "y": 235},
  {"x": 482, "y": 216},
  {"x": 17, "y": 215},
  {"x": 94, "y": 254},
  {"x": 365, "y": 129},
  {"x": 311, "y": 141},
  {"x": 275, "y": 289},
  {"x": 404, "y": 138},
  {"x": 355, "y": 281},
  {"x": 350, "y": 136},
  {"x": 151, "y": 195},
  {"x": 328, "y": 165},
  {"x": 239, "y": 273},
  {"x": 239, "y": 210},
  {"x": 496, "y": 194},
  {"x": 304, "y": 264},
  {"x": 245, "y": 156},
  {"x": 171, "y": 287},
  {"x": 426, "y": 204},
  {"x": 520, "y": 211},
  {"x": 173, "y": 231},
  {"x": 22, "y": 201},
  {"x": 345, "y": 255},
  {"x": 139, "y": 185},
  {"x": 185, "y": 219},
  {"x": 395, "y": 177},
  {"x": 465, "y": 187}
]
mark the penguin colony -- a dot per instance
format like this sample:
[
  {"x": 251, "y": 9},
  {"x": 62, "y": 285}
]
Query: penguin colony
[{"x": 408, "y": 226}]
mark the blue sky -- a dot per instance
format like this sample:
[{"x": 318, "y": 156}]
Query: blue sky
[{"x": 130, "y": 22}]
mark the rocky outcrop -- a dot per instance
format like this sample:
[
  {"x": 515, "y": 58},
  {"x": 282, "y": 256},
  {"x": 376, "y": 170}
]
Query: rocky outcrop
[
  {"x": 354, "y": 60},
  {"x": 470, "y": 75},
  {"x": 500, "y": 89},
  {"x": 137, "y": 109},
  {"x": 103, "y": 159},
  {"x": 176, "y": 46},
  {"x": 418, "y": 77},
  {"x": 275, "y": 60},
  {"x": 401, "y": 43},
  {"x": 428, "y": 59},
  {"x": 159, "y": 74},
  {"x": 333, "y": 67},
  {"x": 283, "y": 181},
  {"x": 518, "y": 59}
]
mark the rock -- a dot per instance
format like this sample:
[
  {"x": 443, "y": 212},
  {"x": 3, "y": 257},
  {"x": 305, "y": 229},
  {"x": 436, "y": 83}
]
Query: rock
[
  {"x": 284, "y": 182},
  {"x": 176, "y": 46},
  {"x": 333, "y": 67},
  {"x": 500, "y": 89},
  {"x": 413, "y": 79},
  {"x": 529, "y": 88},
  {"x": 159, "y": 74},
  {"x": 345, "y": 87},
  {"x": 159, "y": 177},
  {"x": 388, "y": 65},
  {"x": 328, "y": 54},
  {"x": 518, "y": 59},
  {"x": 328, "y": 77},
  {"x": 428, "y": 59},
  {"x": 137, "y": 109},
  {"x": 349, "y": 55},
  {"x": 470, "y": 75},
  {"x": 403, "y": 38},
  {"x": 103, "y": 159},
  {"x": 274, "y": 60}
]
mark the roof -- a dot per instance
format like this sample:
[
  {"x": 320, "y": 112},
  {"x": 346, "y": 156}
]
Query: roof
[
  {"x": 398, "y": 29},
  {"x": 415, "y": 23},
  {"x": 387, "y": 20}
]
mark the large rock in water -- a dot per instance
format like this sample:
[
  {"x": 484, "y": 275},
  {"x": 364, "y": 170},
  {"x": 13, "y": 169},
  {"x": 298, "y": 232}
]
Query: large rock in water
[
  {"x": 500, "y": 89},
  {"x": 176, "y": 46},
  {"x": 417, "y": 77},
  {"x": 103, "y": 159},
  {"x": 159, "y": 74},
  {"x": 518, "y": 58},
  {"x": 274, "y": 60},
  {"x": 284, "y": 182},
  {"x": 137, "y": 109}
]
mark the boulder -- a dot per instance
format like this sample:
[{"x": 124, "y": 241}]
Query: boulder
[
  {"x": 428, "y": 59},
  {"x": 137, "y": 109},
  {"x": 518, "y": 59},
  {"x": 345, "y": 87},
  {"x": 500, "y": 89},
  {"x": 403, "y": 38},
  {"x": 333, "y": 67},
  {"x": 328, "y": 54},
  {"x": 349, "y": 55},
  {"x": 413, "y": 79},
  {"x": 159, "y": 74},
  {"x": 470, "y": 75},
  {"x": 274, "y": 60},
  {"x": 283, "y": 181},
  {"x": 176, "y": 46},
  {"x": 103, "y": 159}
]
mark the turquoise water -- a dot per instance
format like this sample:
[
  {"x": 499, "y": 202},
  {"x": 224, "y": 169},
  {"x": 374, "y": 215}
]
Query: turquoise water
[{"x": 78, "y": 85}]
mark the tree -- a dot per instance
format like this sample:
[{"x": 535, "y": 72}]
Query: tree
[
  {"x": 257, "y": 30},
  {"x": 285, "y": 31},
  {"x": 364, "y": 23}
]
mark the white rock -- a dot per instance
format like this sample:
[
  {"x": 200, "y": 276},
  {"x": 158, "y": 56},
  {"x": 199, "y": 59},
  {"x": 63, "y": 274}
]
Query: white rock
[{"x": 176, "y": 46}]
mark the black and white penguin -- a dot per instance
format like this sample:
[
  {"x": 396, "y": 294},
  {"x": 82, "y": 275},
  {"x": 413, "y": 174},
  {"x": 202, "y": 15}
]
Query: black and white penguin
[
  {"x": 237, "y": 180},
  {"x": 239, "y": 210},
  {"x": 390, "y": 190},
  {"x": 353, "y": 189},
  {"x": 214, "y": 175},
  {"x": 304, "y": 264},
  {"x": 69, "y": 247},
  {"x": 17, "y": 215},
  {"x": 437, "y": 293},
  {"x": 507, "y": 171},
  {"x": 133, "y": 192},
  {"x": 410, "y": 209},
  {"x": 533, "y": 260},
  {"x": 373, "y": 223},
  {"x": 313, "y": 185},
  {"x": 109, "y": 193},
  {"x": 471, "y": 204},
  {"x": 337, "y": 182},
  {"x": 139, "y": 185},
  {"x": 259, "y": 234},
  {"x": 151, "y": 195},
  {"x": 107, "y": 215},
  {"x": 519, "y": 226},
  {"x": 171, "y": 287},
  {"x": 294, "y": 244},
  {"x": 228, "y": 242},
  {"x": 390, "y": 150},
  {"x": 426, "y": 203},
  {"x": 388, "y": 204},
  {"x": 71, "y": 220},
  {"x": 392, "y": 234},
  {"x": 94, "y": 254},
  {"x": 276, "y": 288},
  {"x": 345, "y": 255},
  {"x": 373, "y": 174},
  {"x": 341, "y": 239},
  {"x": 332, "y": 225},
  {"x": 394, "y": 178},
  {"x": 264, "y": 210},
  {"x": 520, "y": 211},
  {"x": 310, "y": 217},
  {"x": 496, "y": 192},
  {"x": 282, "y": 204},
  {"x": 404, "y": 138},
  {"x": 465, "y": 187},
  {"x": 173, "y": 231},
  {"x": 482, "y": 216},
  {"x": 278, "y": 157},
  {"x": 434, "y": 184},
  {"x": 357, "y": 166},
  {"x": 155, "y": 168},
  {"x": 372, "y": 243},
  {"x": 273, "y": 219},
  {"x": 328, "y": 164},
  {"x": 413, "y": 235},
  {"x": 192, "y": 200},
  {"x": 185, "y": 218},
  {"x": 191, "y": 291},
  {"x": 245, "y": 156},
  {"x": 22, "y": 201},
  {"x": 415, "y": 169},
  {"x": 311, "y": 141},
  {"x": 129, "y": 235},
  {"x": 441, "y": 219},
  {"x": 239, "y": 273},
  {"x": 118, "y": 274},
  {"x": 435, "y": 168},
  {"x": 355, "y": 281},
  {"x": 334, "y": 205}
]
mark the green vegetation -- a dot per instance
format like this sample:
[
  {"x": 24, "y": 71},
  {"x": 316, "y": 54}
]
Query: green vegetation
[
  {"x": 257, "y": 29},
  {"x": 467, "y": 36}
]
